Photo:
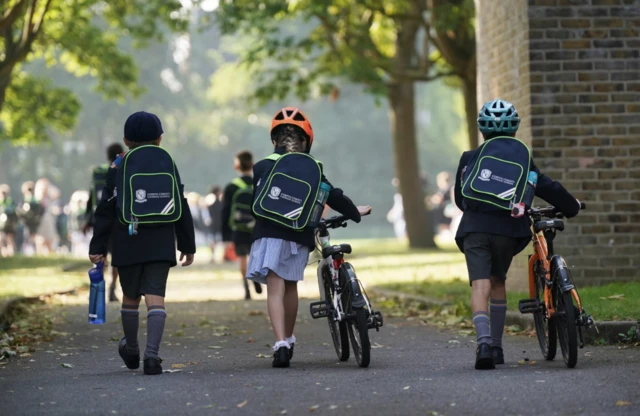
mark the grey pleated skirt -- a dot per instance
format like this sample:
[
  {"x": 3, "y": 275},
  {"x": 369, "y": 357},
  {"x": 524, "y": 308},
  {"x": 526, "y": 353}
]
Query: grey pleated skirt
[{"x": 285, "y": 258}]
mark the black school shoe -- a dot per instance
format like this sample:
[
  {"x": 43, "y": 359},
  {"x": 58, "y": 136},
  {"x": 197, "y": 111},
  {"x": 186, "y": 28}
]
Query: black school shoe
[
  {"x": 281, "y": 357},
  {"x": 484, "y": 357},
  {"x": 131, "y": 360},
  {"x": 258, "y": 287},
  {"x": 498, "y": 355},
  {"x": 291, "y": 350},
  {"x": 152, "y": 366}
]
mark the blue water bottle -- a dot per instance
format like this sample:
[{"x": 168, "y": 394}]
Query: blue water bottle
[
  {"x": 530, "y": 189},
  {"x": 97, "y": 313},
  {"x": 318, "y": 208}
]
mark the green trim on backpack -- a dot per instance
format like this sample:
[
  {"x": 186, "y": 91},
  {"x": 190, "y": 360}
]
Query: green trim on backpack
[
  {"x": 243, "y": 187},
  {"x": 476, "y": 167},
  {"x": 275, "y": 157},
  {"x": 178, "y": 201}
]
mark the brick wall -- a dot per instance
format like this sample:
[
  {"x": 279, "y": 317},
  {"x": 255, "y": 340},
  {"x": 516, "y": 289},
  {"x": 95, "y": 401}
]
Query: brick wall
[{"x": 584, "y": 85}]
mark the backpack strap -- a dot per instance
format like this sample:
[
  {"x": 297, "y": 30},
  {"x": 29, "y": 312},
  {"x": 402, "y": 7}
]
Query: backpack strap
[{"x": 239, "y": 183}]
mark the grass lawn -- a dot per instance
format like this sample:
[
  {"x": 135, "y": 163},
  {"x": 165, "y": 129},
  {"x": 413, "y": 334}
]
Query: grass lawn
[{"x": 33, "y": 276}]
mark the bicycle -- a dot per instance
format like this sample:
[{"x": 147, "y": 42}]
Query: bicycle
[
  {"x": 344, "y": 301},
  {"x": 557, "y": 310}
]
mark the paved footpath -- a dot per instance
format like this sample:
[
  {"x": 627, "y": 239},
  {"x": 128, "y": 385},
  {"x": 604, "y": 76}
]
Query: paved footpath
[{"x": 218, "y": 345}]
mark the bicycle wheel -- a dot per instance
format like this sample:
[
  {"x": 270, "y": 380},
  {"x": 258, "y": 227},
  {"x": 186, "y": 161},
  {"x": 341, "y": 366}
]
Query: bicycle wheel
[
  {"x": 338, "y": 329},
  {"x": 545, "y": 327},
  {"x": 567, "y": 329},
  {"x": 357, "y": 324}
]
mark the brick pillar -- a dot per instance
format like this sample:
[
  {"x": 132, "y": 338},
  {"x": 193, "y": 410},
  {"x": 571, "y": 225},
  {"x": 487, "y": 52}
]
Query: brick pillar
[{"x": 583, "y": 81}]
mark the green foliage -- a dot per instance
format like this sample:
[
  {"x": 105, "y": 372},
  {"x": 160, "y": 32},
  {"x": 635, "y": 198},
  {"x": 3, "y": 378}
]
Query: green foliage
[{"x": 84, "y": 38}]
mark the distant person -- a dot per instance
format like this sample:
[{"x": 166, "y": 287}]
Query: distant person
[
  {"x": 439, "y": 202},
  {"x": 98, "y": 183},
  {"x": 30, "y": 212},
  {"x": 396, "y": 215},
  {"x": 214, "y": 205},
  {"x": 60, "y": 213},
  {"x": 46, "y": 236},
  {"x": 143, "y": 259},
  {"x": 77, "y": 221},
  {"x": 8, "y": 222},
  {"x": 237, "y": 218},
  {"x": 489, "y": 236},
  {"x": 193, "y": 199},
  {"x": 279, "y": 254}
]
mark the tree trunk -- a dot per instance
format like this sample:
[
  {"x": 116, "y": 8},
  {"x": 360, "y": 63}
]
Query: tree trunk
[
  {"x": 4, "y": 84},
  {"x": 405, "y": 152},
  {"x": 471, "y": 109}
]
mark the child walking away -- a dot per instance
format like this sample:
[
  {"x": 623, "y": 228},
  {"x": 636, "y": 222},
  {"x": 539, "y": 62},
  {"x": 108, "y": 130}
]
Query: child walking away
[
  {"x": 286, "y": 186},
  {"x": 98, "y": 182},
  {"x": 143, "y": 209},
  {"x": 237, "y": 218},
  {"x": 490, "y": 189}
]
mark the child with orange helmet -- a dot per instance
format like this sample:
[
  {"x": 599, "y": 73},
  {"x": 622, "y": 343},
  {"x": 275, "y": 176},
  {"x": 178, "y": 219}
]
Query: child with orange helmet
[{"x": 279, "y": 253}]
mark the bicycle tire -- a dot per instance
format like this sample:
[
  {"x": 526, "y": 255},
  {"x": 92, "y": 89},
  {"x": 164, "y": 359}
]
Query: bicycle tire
[
  {"x": 360, "y": 344},
  {"x": 338, "y": 330},
  {"x": 546, "y": 328},
  {"x": 567, "y": 329}
]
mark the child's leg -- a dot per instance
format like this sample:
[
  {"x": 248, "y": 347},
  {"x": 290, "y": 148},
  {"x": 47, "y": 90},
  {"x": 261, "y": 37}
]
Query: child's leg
[
  {"x": 480, "y": 290},
  {"x": 156, "y": 317},
  {"x": 130, "y": 321},
  {"x": 275, "y": 305},
  {"x": 114, "y": 282},
  {"x": 290, "y": 307},
  {"x": 242, "y": 260},
  {"x": 498, "y": 310}
]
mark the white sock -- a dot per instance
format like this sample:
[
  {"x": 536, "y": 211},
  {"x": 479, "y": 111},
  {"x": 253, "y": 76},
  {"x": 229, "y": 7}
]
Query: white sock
[
  {"x": 282, "y": 343},
  {"x": 291, "y": 339}
]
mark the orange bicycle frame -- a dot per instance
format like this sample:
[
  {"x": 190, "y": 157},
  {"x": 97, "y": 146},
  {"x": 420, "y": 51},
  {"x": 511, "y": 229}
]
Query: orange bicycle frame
[{"x": 541, "y": 253}]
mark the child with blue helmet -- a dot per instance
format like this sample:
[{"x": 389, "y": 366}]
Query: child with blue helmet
[{"x": 491, "y": 237}]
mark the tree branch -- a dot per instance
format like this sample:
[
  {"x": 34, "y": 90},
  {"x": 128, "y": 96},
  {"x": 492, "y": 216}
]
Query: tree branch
[{"x": 10, "y": 16}]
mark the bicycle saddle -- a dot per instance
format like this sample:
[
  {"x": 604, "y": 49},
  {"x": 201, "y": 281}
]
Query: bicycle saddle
[
  {"x": 548, "y": 225},
  {"x": 333, "y": 250}
]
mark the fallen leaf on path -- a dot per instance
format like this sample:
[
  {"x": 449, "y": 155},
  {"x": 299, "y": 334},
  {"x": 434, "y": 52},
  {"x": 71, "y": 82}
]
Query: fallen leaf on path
[
  {"x": 256, "y": 313},
  {"x": 67, "y": 365},
  {"x": 172, "y": 371},
  {"x": 243, "y": 404},
  {"x": 314, "y": 408},
  {"x": 263, "y": 356},
  {"x": 26, "y": 354},
  {"x": 623, "y": 403},
  {"x": 214, "y": 347},
  {"x": 454, "y": 341},
  {"x": 178, "y": 366},
  {"x": 284, "y": 412},
  {"x": 140, "y": 389},
  {"x": 407, "y": 387},
  {"x": 376, "y": 346},
  {"x": 65, "y": 354},
  {"x": 114, "y": 339},
  {"x": 333, "y": 407},
  {"x": 532, "y": 362},
  {"x": 251, "y": 340}
]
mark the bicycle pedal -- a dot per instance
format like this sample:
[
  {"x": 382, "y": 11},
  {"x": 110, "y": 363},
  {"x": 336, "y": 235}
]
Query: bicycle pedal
[
  {"x": 529, "y": 305},
  {"x": 319, "y": 309}
]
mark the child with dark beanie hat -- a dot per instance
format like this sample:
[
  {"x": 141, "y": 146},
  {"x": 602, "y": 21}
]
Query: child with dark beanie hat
[{"x": 144, "y": 260}]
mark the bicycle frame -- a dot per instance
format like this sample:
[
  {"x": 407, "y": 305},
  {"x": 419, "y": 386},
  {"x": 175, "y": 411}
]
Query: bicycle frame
[
  {"x": 541, "y": 253},
  {"x": 334, "y": 266}
]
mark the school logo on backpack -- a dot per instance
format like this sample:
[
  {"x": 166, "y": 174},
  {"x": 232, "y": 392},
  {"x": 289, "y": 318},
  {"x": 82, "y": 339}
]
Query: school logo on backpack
[
  {"x": 498, "y": 174},
  {"x": 149, "y": 187},
  {"x": 288, "y": 193},
  {"x": 241, "y": 218}
]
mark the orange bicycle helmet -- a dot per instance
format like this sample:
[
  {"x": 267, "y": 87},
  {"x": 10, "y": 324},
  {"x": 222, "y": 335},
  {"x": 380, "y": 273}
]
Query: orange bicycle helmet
[{"x": 292, "y": 115}]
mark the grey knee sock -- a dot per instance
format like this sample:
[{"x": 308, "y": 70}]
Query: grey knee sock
[
  {"x": 155, "y": 328},
  {"x": 481, "y": 323},
  {"x": 130, "y": 322},
  {"x": 498, "y": 311}
]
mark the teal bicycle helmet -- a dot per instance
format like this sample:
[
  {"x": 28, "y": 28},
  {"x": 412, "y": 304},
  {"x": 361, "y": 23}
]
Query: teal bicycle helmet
[{"x": 498, "y": 116}]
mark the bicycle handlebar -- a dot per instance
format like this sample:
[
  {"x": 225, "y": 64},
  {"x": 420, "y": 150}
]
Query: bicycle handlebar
[
  {"x": 550, "y": 211},
  {"x": 334, "y": 222}
]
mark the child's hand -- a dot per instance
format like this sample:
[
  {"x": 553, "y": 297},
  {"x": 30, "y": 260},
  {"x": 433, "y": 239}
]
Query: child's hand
[
  {"x": 189, "y": 259},
  {"x": 364, "y": 209},
  {"x": 97, "y": 258}
]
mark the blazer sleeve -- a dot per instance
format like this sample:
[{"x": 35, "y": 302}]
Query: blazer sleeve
[
  {"x": 340, "y": 202},
  {"x": 104, "y": 218},
  {"x": 554, "y": 193},
  {"x": 185, "y": 233},
  {"x": 226, "y": 211},
  {"x": 460, "y": 175}
]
